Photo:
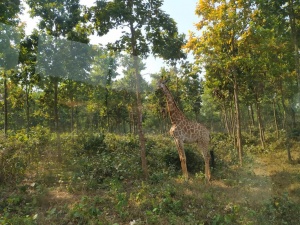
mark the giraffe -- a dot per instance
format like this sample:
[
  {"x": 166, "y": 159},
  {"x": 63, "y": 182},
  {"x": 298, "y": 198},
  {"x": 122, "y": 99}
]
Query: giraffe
[{"x": 186, "y": 131}]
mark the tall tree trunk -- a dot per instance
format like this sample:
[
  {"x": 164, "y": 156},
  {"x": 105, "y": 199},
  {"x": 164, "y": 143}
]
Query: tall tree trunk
[
  {"x": 232, "y": 120},
  {"x": 5, "y": 105},
  {"x": 138, "y": 100},
  {"x": 55, "y": 105},
  {"x": 72, "y": 119},
  {"x": 72, "y": 105},
  {"x": 140, "y": 120},
  {"x": 252, "y": 115},
  {"x": 233, "y": 125},
  {"x": 226, "y": 120},
  {"x": 130, "y": 121},
  {"x": 27, "y": 110},
  {"x": 56, "y": 118},
  {"x": 294, "y": 35},
  {"x": 106, "y": 108},
  {"x": 259, "y": 119},
  {"x": 286, "y": 125},
  {"x": 284, "y": 114},
  {"x": 251, "y": 119},
  {"x": 275, "y": 118},
  {"x": 260, "y": 126},
  {"x": 238, "y": 119}
]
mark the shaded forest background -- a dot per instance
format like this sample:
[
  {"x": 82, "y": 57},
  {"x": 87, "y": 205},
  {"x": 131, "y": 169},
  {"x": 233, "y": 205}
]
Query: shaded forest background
[{"x": 80, "y": 118}]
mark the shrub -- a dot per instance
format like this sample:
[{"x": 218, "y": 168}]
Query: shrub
[
  {"x": 195, "y": 162},
  {"x": 92, "y": 144},
  {"x": 13, "y": 159},
  {"x": 280, "y": 210}
]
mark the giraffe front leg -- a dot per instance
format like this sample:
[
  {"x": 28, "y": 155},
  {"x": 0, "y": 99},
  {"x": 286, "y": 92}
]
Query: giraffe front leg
[
  {"x": 207, "y": 169},
  {"x": 182, "y": 158}
]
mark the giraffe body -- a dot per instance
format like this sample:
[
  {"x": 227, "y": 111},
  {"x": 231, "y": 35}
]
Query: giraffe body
[
  {"x": 190, "y": 132},
  {"x": 186, "y": 131}
]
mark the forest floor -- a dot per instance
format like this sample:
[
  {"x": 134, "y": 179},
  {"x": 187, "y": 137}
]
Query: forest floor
[
  {"x": 265, "y": 190},
  {"x": 266, "y": 177}
]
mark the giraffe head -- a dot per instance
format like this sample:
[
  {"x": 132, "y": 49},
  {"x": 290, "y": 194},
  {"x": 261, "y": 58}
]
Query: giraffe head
[{"x": 161, "y": 83}]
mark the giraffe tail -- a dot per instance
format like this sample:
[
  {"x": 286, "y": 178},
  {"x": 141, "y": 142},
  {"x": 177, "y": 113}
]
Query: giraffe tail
[{"x": 212, "y": 155}]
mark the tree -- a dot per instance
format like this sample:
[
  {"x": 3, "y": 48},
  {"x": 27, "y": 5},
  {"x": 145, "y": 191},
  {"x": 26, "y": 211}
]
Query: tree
[
  {"x": 293, "y": 9},
  {"x": 247, "y": 49},
  {"x": 9, "y": 39},
  {"x": 127, "y": 85},
  {"x": 9, "y": 11},
  {"x": 148, "y": 30},
  {"x": 61, "y": 19},
  {"x": 193, "y": 89},
  {"x": 282, "y": 19},
  {"x": 223, "y": 24},
  {"x": 9, "y": 51},
  {"x": 103, "y": 72},
  {"x": 26, "y": 75}
]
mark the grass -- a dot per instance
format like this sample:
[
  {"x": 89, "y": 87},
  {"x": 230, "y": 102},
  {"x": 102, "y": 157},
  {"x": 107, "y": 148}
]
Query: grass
[{"x": 99, "y": 181}]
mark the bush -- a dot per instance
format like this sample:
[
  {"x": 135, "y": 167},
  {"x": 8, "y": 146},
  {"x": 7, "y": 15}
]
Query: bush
[
  {"x": 13, "y": 160},
  {"x": 92, "y": 144},
  {"x": 195, "y": 162},
  {"x": 163, "y": 158},
  {"x": 280, "y": 210},
  {"x": 99, "y": 157}
]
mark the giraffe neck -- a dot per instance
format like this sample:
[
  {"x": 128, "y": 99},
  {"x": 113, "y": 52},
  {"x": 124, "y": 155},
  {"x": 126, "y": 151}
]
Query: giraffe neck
[{"x": 176, "y": 115}]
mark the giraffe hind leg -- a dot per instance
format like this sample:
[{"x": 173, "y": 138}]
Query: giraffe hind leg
[
  {"x": 207, "y": 158},
  {"x": 207, "y": 170}
]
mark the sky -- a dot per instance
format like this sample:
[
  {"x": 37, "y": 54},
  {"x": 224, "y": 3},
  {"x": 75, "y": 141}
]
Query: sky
[{"x": 182, "y": 11}]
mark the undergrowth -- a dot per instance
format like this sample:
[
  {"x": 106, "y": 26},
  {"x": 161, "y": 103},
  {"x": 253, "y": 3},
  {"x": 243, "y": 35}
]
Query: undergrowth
[{"x": 97, "y": 179}]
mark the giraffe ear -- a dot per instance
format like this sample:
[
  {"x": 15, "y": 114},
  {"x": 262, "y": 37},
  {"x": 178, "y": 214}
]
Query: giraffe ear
[{"x": 165, "y": 81}]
